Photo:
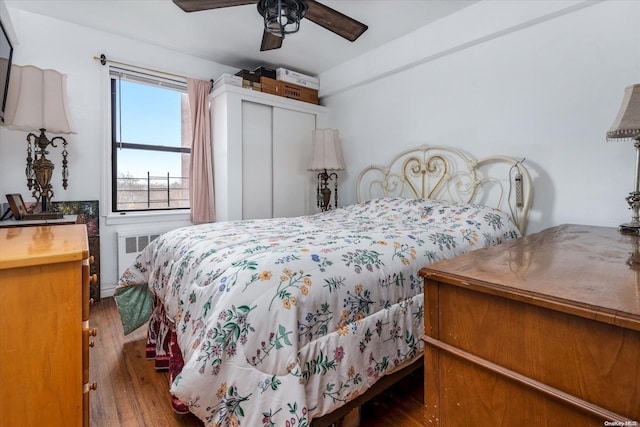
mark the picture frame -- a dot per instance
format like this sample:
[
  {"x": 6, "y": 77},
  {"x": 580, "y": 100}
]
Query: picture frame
[{"x": 17, "y": 206}]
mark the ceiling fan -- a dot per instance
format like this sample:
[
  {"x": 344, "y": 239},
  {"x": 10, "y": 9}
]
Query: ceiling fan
[{"x": 283, "y": 17}]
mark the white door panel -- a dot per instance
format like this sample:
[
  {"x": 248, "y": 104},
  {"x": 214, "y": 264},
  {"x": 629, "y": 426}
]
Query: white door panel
[
  {"x": 257, "y": 171},
  {"x": 292, "y": 133}
]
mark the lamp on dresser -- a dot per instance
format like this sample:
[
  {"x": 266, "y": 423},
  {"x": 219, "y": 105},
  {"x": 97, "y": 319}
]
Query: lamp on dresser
[
  {"x": 627, "y": 126},
  {"x": 37, "y": 102},
  {"x": 326, "y": 156}
]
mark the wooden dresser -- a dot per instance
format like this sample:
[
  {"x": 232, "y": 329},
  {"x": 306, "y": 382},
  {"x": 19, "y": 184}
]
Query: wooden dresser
[
  {"x": 541, "y": 331},
  {"x": 44, "y": 326}
]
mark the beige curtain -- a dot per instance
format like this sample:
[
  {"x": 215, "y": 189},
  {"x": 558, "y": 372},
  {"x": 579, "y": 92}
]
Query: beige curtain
[{"x": 201, "y": 164}]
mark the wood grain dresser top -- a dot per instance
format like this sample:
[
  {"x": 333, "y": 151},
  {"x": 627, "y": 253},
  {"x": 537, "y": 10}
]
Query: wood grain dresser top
[
  {"x": 27, "y": 246},
  {"x": 589, "y": 271}
]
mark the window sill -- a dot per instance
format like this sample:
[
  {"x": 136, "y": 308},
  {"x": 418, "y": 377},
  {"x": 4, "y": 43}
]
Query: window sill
[{"x": 117, "y": 218}]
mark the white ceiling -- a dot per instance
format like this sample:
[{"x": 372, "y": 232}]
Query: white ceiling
[{"x": 232, "y": 36}]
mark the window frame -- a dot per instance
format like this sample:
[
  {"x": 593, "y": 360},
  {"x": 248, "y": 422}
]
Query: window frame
[{"x": 170, "y": 82}]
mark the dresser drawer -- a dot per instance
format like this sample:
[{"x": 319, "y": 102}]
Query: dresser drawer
[{"x": 526, "y": 363}]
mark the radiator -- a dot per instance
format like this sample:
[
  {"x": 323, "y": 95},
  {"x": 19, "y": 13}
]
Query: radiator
[{"x": 130, "y": 245}]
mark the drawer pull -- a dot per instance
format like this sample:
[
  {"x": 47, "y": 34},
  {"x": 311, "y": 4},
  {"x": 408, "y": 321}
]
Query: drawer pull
[
  {"x": 93, "y": 386},
  {"x": 91, "y": 301},
  {"x": 93, "y": 278},
  {"x": 92, "y": 344},
  {"x": 91, "y": 259},
  {"x": 93, "y": 332}
]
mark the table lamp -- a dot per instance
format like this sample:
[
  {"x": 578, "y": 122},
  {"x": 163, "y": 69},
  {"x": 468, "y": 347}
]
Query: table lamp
[
  {"x": 37, "y": 102},
  {"x": 627, "y": 126}
]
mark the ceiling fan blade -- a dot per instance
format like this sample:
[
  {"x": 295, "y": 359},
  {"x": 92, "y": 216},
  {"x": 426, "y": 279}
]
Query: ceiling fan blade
[
  {"x": 197, "y": 5},
  {"x": 334, "y": 21},
  {"x": 270, "y": 41}
]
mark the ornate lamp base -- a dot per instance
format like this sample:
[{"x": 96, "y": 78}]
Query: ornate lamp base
[
  {"x": 40, "y": 169},
  {"x": 323, "y": 191},
  {"x": 633, "y": 199}
]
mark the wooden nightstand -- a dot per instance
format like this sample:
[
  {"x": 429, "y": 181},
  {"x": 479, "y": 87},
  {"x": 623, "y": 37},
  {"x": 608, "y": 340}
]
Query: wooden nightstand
[{"x": 543, "y": 330}]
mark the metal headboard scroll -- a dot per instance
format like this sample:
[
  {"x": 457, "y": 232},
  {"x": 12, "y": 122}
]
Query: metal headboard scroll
[{"x": 449, "y": 174}]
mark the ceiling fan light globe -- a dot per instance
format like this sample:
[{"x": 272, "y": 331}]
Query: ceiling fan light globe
[
  {"x": 292, "y": 27},
  {"x": 274, "y": 28},
  {"x": 282, "y": 16}
]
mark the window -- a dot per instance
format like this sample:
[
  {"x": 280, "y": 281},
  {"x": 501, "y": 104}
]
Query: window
[{"x": 151, "y": 142}]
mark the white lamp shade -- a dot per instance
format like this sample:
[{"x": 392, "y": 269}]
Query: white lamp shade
[
  {"x": 627, "y": 122},
  {"x": 37, "y": 99},
  {"x": 326, "y": 151}
]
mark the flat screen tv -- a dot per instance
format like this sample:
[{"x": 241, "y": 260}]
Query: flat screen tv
[{"x": 6, "y": 52}]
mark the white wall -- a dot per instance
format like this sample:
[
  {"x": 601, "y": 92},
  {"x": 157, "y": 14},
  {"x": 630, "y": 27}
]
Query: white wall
[
  {"x": 541, "y": 80},
  {"x": 69, "y": 48}
]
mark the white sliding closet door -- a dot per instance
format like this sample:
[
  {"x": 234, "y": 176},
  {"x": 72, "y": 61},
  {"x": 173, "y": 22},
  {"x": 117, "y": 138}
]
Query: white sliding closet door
[
  {"x": 257, "y": 170},
  {"x": 292, "y": 183},
  {"x": 276, "y": 150}
]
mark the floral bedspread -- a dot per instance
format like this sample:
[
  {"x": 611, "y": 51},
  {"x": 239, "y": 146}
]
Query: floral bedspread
[{"x": 283, "y": 320}]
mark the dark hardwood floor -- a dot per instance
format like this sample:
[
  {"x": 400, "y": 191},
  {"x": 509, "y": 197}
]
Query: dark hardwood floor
[{"x": 132, "y": 393}]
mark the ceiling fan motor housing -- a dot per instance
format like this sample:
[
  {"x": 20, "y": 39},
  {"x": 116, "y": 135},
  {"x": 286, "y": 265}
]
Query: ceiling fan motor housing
[{"x": 282, "y": 16}]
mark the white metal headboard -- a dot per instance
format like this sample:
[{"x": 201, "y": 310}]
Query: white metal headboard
[{"x": 448, "y": 174}]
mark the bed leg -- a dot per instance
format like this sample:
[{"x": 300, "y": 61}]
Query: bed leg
[{"x": 352, "y": 419}]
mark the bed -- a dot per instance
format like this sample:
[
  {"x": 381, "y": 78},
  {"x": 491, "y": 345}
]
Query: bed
[{"x": 293, "y": 321}]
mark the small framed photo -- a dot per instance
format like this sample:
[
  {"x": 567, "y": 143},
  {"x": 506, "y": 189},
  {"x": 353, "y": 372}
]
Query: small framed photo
[{"x": 18, "y": 209}]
